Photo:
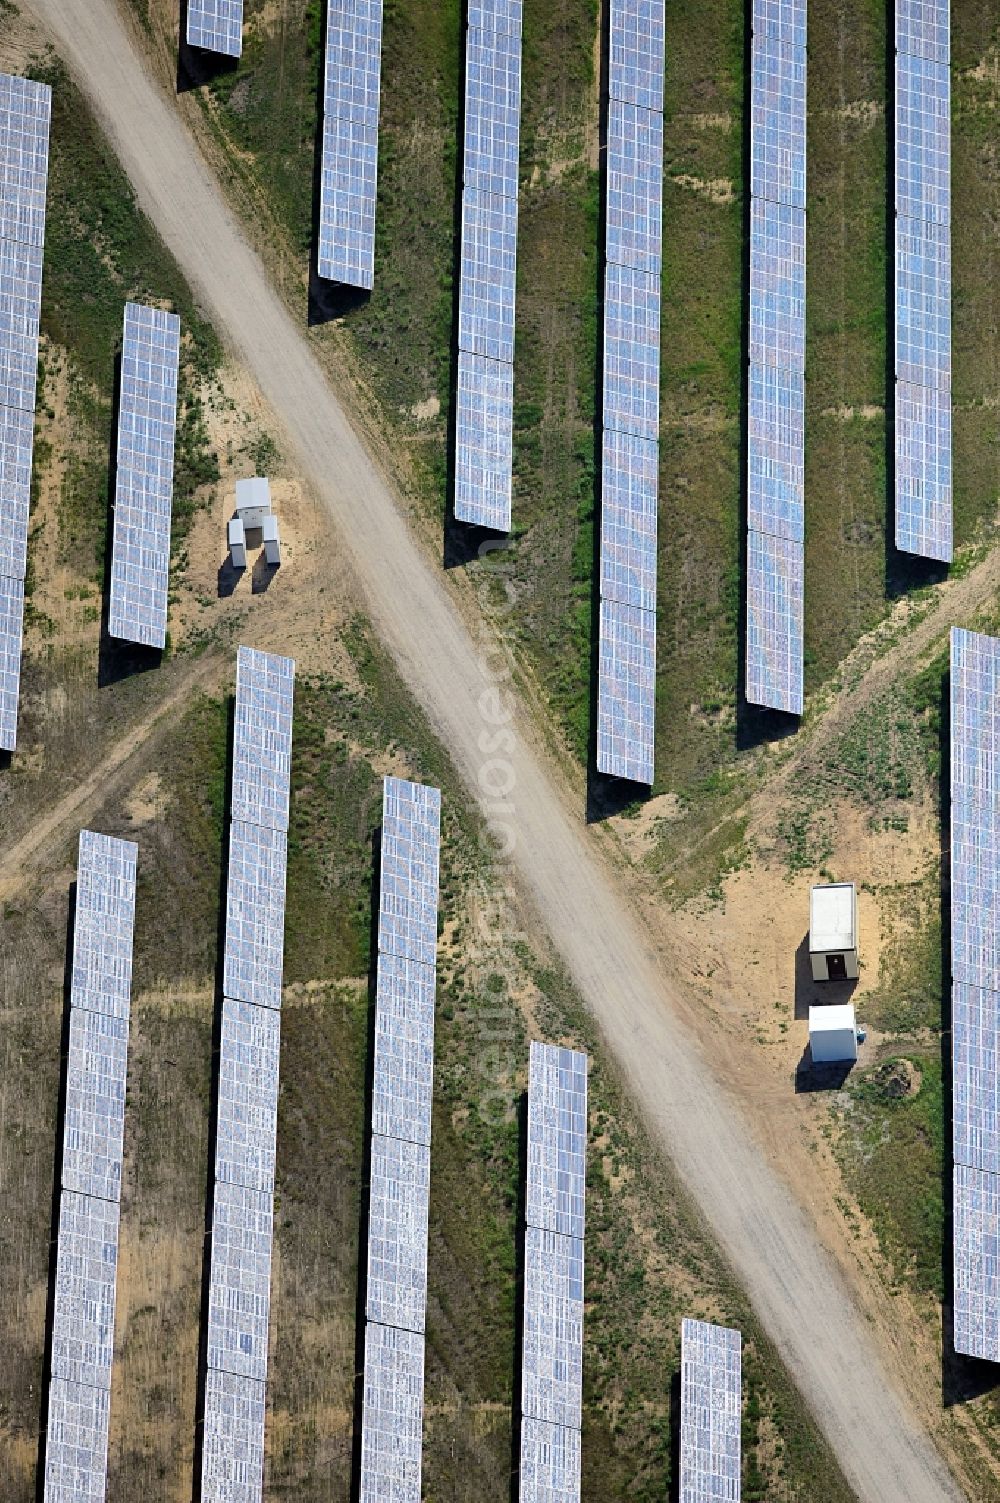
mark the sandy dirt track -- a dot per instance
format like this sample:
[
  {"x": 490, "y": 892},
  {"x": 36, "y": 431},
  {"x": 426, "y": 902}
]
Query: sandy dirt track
[{"x": 797, "y": 1291}]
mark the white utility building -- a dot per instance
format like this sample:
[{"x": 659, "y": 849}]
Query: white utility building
[
  {"x": 253, "y": 501},
  {"x": 833, "y": 932},
  {"x": 253, "y": 513},
  {"x": 833, "y": 1034}
]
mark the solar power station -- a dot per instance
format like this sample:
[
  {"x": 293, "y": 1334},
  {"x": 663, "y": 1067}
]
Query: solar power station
[
  {"x": 626, "y": 680},
  {"x": 239, "y": 1298},
  {"x": 25, "y": 112},
  {"x": 83, "y": 1325},
  {"x": 975, "y": 991},
  {"x": 402, "y": 1087},
  {"x": 349, "y": 168},
  {"x": 711, "y": 1402},
  {"x": 552, "y": 1345},
  {"x": 144, "y": 480},
  {"x": 776, "y": 419},
  {"x": 923, "y": 279},
  {"x": 216, "y": 26},
  {"x": 484, "y": 413}
]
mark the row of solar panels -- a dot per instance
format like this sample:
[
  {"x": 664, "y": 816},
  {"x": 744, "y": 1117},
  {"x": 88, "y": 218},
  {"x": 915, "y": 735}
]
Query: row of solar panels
[
  {"x": 399, "y": 1184},
  {"x": 25, "y": 114},
  {"x": 630, "y": 452},
  {"x": 349, "y": 164},
  {"x": 776, "y": 377},
  {"x": 484, "y": 418},
  {"x": 239, "y": 1297},
  {"x": 711, "y": 1413},
  {"x": 923, "y": 428},
  {"x": 552, "y": 1339},
  {"x": 83, "y": 1322},
  {"x": 216, "y": 26},
  {"x": 975, "y": 969}
]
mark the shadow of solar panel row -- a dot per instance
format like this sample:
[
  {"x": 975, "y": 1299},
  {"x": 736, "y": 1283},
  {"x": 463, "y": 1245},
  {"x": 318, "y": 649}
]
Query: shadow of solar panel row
[
  {"x": 392, "y": 1415},
  {"x": 626, "y": 692},
  {"x": 775, "y": 611},
  {"x": 349, "y": 167},
  {"x": 408, "y": 885},
  {"x": 776, "y": 452},
  {"x": 94, "y": 1123},
  {"x": 232, "y": 1458},
  {"x": 977, "y": 1263},
  {"x": 636, "y": 53},
  {"x": 216, "y": 25},
  {"x": 249, "y": 1058},
  {"x": 397, "y": 1233},
  {"x": 147, "y": 414},
  {"x": 83, "y": 1323},
  {"x": 76, "y": 1443},
  {"x": 484, "y": 441},
  {"x": 778, "y": 121},
  {"x": 103, "y": 924},
  {"x": 552, "y": 1350},
  {"x": 262, "y": 739},
  {"x": 711, "y": 1408},
  {"x": 923, "y": 29}
]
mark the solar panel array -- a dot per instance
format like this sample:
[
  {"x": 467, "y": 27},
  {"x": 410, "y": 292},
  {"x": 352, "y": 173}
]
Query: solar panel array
[
  {"x": 216, "y": 25},
  {"x": 349, "y": 168},
  {"x": 399, "y": 1196},
  {"x": 484, "y": 399},
  {"x": 975, "y": 990},
  {"x": 25, "y": 113},
  {"x": 552, "y": 1343},
  {"x": 239, "y": 1297},
  {"x": 626, "y": 684},
  {"x": 923, "y": 279},
  {"x": 144, "y": 476},
  {"x": 711, "y": 1400},
  {"x": 83, "y": 1323},
  {"x": 776, "y": 419}
]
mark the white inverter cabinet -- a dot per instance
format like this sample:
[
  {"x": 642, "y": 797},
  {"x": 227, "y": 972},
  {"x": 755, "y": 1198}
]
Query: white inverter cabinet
[{"x": 833, "y": 932}]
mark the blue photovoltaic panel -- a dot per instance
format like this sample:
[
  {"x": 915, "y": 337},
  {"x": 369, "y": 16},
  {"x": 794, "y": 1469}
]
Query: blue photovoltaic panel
[
  {"x": 975, "y": 1055},
  {"x": 975, "y": 717},
  {"x": 775, "y": 569},
  {"x": 255, "y": 914},
  {"x": 711, "y": 1407},
  {"x": 76, "y": 1443},
  {"x": 923, "y": 471},
  {"x": 140, "y": 575},
  {"x": 635, "y": 187},
  {"x": 489, "y": 263},
  {"x": 492, "y": 111},
  {"x": 103, "y": 924},
  {"x": 495, "y": 15},
  {"x": 239, "y": 1297},
  {"x": 83, "y": 1324},
  {"x": 923, "y": 302},
  {"x": 555, "y": 1196},
  {"x": 25, "y": 112},
  {"x": 777, "y": 285},
  {"x": 552, "y": 1351},
  {"x": 635, "y": 65},
  {"x": 626, "y": 692},
  {"x": 392, "y": 1416},
  {"x": 923, "y": 139},
  {"x": 94, "y": 1124},
  {"x": 977, "y": 1263},
  {"x": 631, "y": 352},
  {"x": 353, "y": 62},
  {"x": 11, "y": 627},
  {"x": 408, "y": 888},
  {"x": 232, "y": 1458},
  {"x": 20, "y": 309},
  {"x": 16, "y": 437},
  {"x": 776, "y": 452},
  {"x": 784, "y": 19},
  {"x": 778, "y": 121},
  {"x": 922, "y": 29},
  {"x": 628, "y": 519},
  {"x": 248, "y": 1095},
  {"x": 348, "y": 185},
  {"x": 484, "y": 441},
  {"x": 262, "y": 740},
  {"x": 403, "y": 1082},
  {"x": 397, "y": 1233},
  {"x": 216, "y": 25},
  {"x": 975, "y": 892},
  {"x": 550, "y": 1463}
]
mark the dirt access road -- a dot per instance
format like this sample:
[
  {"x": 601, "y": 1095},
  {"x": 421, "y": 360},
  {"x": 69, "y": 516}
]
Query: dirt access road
[{"x": 799, "y": 1294}]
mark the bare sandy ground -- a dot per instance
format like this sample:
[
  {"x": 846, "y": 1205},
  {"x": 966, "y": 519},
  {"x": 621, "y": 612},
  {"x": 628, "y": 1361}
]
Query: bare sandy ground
[{"x": 795, "y": 1286}]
